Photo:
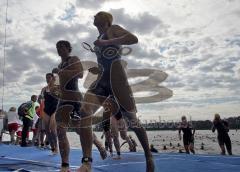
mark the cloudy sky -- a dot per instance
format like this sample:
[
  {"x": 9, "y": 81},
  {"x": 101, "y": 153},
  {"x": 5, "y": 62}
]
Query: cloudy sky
[{"x": 196, "y": 42}]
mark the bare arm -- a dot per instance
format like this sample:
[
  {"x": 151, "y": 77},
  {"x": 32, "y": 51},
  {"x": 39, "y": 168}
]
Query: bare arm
[
  {"x": 41, "y": 96},
  {"x": 95, "y": 70},
  {"x": 117, "y": 36},
  {"x": 213, "y": 128},
  {"x": 179, "y": 133},
  {"x": 74, "y": 68},
  {"x": 120, "y": 36},
  {"x": 194, "y": 131},
  {"x": 192, "y": 127}
]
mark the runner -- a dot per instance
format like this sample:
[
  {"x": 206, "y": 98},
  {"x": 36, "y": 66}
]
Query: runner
[
  {"x": 188, "y": 136},
  {"x": 223, "y": 137},
  {"x": 69, "y": 71},
  {"x": 118, "y": 125},
  {"x": 112, "y": 81}
]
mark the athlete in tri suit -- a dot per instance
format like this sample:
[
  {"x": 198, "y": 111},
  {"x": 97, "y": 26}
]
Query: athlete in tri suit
[
  {"x": 188, "y": 135},
  {"x": 112, "y": 127},
  {"x": 223, "y": 137},
  {"x": 50, "y": 106},
  {"x": 112, "y": 81},
  {"x": 67, "y": 114},
  {"x": 119, "y": 125}
]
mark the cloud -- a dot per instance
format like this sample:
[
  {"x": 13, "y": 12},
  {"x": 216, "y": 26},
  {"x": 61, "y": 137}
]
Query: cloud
[
  {"x": 34, "y": 80},
  {"x": 143, "y": 23},
  {"x": 70, "y": 13},
  {"x": 90, "y": 4},
  {"x": 61, "y": 30},
  {"x": 197, "y": 47},
  {"x": 234, "y": 41}
]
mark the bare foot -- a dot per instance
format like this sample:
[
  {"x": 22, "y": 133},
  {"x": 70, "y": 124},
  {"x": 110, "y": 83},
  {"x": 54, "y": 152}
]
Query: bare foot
[
  {"x": 117, "y": 157},
  {"x": 103, "y": 153},
  {"x": 85, "y": 167},
  {"x": 55, "y": 152},
  {"x": 65, "y": 169}
]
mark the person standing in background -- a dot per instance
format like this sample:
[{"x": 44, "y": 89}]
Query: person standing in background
[
  {"x": 223, "y": 137},
  {"x": 28, "y": 119},
  {"x": 49, "y": 110},
  {"x": 12, "y": 123}
]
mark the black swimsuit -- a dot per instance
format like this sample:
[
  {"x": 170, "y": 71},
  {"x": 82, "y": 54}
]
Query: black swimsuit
[
  {"x": 187, "y": 135},
  {"x": 72, "y": 85},
  {"x": 50, "y": 103},
  {"x": 223, "y": 137}
]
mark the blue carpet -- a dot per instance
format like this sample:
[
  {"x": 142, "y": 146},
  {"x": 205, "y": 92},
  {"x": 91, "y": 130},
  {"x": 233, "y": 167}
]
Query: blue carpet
[{"x": 16, "y": 158}]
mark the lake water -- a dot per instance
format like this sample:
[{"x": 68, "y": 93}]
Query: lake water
[{"x": 163, "y": 138}]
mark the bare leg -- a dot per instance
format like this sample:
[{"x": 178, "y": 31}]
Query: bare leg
[
  {"x": 191, "y": 148},
  {"x": 222, "y": 149},
  {"x": 108, "y": 137},
  {"x": 228, "y": 145},
  {"x": 62, "y": 118},
  {"x": 90, "y": 105},
  {"x": 12, "y": 133},
  {"x": 50, "y": 126},
  {"x": 123, "y": 94},
  {"x": 106, "y": 127},
  {"x": 48, "y": 135},
  {"x": 36, "y": 137},
  {"x": 42, "y": 134},
  {"x": 123, "y": 133},
  {"x": 115, "y": 135},
  {"x": 186, "y": 148},
  {"x": 63, "y": 147},
  {"x": 41, "y": 128},
  {"x": 17, "y": 140},
  {"x": 100, "y": 147},
  {"x": 53, "y": 133},
  {"x": 143, "y": 139}
]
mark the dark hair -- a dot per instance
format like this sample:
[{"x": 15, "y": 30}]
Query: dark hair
[
  {"x": 33, "y": 96},
  {"x": 51, "y": 74},
  {"x": 66, "y": 43}
]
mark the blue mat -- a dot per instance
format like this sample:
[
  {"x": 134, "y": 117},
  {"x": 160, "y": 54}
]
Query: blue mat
[{"x": 16, "y": 158}]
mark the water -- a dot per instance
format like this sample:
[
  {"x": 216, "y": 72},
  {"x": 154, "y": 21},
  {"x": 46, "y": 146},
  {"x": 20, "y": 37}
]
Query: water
[{"x": 163, "y": 138}]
